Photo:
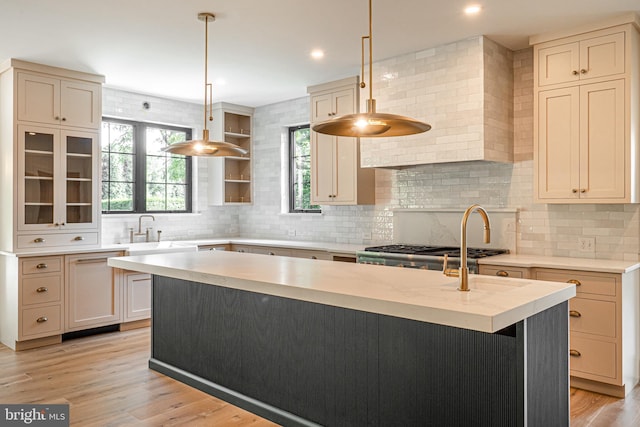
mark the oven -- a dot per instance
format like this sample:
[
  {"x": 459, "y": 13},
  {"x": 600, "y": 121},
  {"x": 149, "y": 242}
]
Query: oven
[{"x": 423, "y": 257}]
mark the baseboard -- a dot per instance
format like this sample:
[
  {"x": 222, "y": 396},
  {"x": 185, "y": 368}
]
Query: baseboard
[
  {"x": 144, "y": 323},
  {"x": 598, "y": 387},
  {"x": 38, "y": 342},
  {"x": 240, "y": 400}
]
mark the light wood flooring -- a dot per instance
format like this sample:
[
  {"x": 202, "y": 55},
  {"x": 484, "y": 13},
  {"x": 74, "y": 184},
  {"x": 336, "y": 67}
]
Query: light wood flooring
[{"x": 106, "y": 381}]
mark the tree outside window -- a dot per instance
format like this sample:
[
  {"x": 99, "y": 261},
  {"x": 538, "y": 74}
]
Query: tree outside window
[
  {"x": 137, "y": 176},
  {"x": 300, "y": 170}
]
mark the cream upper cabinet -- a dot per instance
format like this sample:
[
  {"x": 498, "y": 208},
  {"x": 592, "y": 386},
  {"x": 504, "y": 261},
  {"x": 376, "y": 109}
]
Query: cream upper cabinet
[
  {"x": 587, "y": 126},
  {"x": 50, "y": 194},
  {"x": 336, "y": 175},
  {"x": 45, "y": 99},
  {"x": 581, "y": 60},
  {"x": 581, "y": 144}
]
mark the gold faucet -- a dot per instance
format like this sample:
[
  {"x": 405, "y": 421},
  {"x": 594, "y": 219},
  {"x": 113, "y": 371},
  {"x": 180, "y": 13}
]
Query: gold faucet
[{"x": 463, "y": 271}]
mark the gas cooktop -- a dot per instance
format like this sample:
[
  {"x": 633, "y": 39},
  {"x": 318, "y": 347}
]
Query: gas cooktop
[{"x": 452, "y": 251}]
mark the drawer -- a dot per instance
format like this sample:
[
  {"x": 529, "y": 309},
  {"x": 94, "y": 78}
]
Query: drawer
[
  {"x": 496, "y": 270},
  {"x": 34, "y": 241},
  {"x": 311, "y": 254},
  {"x": 593, "y": 316},
  {"x": 41, "y": 289},
  {"x": 586, "y": 283},
  {"x": 592, "y": 357},
  {"x": 41, "y": 265},
  {"x": 42, "y": 321}
]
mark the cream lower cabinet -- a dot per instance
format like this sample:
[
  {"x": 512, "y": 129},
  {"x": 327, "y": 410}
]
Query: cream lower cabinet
[
  {"x": 604, "y": 324},
  {"x": 136, "y": 288},
  {"x": 92, "y": 291}
]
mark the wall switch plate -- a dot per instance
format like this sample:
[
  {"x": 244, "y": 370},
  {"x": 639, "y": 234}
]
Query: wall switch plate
[{"x": 587, "y": 244}]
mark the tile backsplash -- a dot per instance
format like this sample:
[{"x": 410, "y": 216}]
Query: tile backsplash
[{"x": 551, "y": 230}]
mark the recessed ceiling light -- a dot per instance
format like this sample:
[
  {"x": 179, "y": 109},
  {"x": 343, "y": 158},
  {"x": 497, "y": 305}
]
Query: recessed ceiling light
[
  {"x": 317, "y": 53},
  {"x": 472, "y": 10}
]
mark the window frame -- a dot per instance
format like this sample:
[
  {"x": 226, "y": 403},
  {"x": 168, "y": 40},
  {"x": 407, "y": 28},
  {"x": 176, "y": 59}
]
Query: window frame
[
  {"x": 140, "y": 169},
  {"x": 292, "y": 170}
]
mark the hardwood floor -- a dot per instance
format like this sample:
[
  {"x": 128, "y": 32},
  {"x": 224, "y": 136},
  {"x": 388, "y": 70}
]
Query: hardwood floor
[{"x": 106, "y": 381}]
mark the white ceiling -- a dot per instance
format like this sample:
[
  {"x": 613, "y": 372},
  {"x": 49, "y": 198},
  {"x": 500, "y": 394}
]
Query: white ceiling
[{"x": 260, "y": 47}]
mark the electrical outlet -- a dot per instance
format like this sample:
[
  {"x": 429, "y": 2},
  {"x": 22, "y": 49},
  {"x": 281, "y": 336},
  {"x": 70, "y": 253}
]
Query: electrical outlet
[{"x": 587, "y": 244}]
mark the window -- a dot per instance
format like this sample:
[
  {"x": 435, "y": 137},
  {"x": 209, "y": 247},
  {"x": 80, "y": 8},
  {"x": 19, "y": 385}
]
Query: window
[
  {"x": 137, "y": 176},
  {"x": 300, "y": 170}
]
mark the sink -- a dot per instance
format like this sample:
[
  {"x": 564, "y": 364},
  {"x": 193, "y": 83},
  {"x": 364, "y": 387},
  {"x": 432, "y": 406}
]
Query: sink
[{"x": 147, "y": 248}]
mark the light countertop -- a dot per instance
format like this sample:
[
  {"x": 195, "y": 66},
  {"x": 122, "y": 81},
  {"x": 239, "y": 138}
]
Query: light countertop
[
  {"x": 492, "y": 304},
  {"x": 583, "y": 264}
]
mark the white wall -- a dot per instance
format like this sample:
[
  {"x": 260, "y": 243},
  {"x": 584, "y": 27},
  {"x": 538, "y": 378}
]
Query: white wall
[{"x": 207, "y": 221}]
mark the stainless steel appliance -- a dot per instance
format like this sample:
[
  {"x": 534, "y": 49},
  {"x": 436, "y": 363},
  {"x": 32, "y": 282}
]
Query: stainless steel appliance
[{"x": 424, "y": 257}]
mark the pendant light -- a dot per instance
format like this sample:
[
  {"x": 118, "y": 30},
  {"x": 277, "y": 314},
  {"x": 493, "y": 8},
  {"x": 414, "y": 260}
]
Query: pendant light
[
  {"x": 205, "y": 147},
  {"x": 371, "y": 123}
]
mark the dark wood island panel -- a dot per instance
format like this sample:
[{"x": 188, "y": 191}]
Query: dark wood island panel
[{"x": 299, "y": 363}]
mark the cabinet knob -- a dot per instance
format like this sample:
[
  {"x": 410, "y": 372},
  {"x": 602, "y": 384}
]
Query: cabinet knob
[
  {"x": 41, "y": 319},
  {"x": 575, "y": 282},
  {"x": 41, "y": 266},
  {"x": 271, "y": 253},
  {"x": 42, "y": 289},
  {"x": 575, "y": 72},
  {"x": 583, "y": 190},
  {"x": 502, "y": 273},
  {"x": 574, "y": 313},
  {"x": 64, "y": 119},
  {"x": 314, "y": 257},
  {"x": 574, "y": 190},
  {"x": 574, "y": 353},
  {"x": 583, "y": 71},
  {"x": 39, "y": 240},
  {"x": 78, "y": 238},
  {"x": 57, "y": 118}
]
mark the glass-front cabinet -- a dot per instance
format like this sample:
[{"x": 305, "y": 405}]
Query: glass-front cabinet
[{"x": 58, "y": 179}]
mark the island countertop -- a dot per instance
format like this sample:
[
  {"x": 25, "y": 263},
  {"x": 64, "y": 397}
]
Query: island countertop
[{"x": 492, "y": 304}]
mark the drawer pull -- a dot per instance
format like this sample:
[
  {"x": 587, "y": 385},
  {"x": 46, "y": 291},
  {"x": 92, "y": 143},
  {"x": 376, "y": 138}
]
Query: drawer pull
[
  {"x": 574, "y": 353},
  {"x": 42, "y": 266},
  {"x": 240, "y": 250},
  {"x": 314, "y": 257},
  {"x": 42, "y": 289},
  {"x": 78, "y": 238},
  {"x": 271, "y": 253},
  {"x": 502, "y": 273},
  {"x": 574, "y": 313},
  {"x": 41, "y": 319},
  {"x": 39, "y": 240},
  {"x": 575, "y": 282},
  {"x": 92, "y": 260}
]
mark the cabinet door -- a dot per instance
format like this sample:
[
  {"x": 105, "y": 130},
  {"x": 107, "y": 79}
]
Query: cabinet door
[
  {"x": 323, "y": 167},
  {"x": 602, "y": 140},
  {"x": 38, "y": 176},
  {"x": 38, "y": 98},
  {"x": 558, "y": 144},
  {"x": 79, "y": 189},
  {"x": 80, "y": 104},
  {"x": 559, "y": 64},
  {"x": 602, "y": 56},
  {"x": 343, "y": 102},
  {"x": 346, "y": 163},
  {"x": 137, "y": 296},
  {"x": 321, "y": 108},
  {"x": 92, "y": 292}
]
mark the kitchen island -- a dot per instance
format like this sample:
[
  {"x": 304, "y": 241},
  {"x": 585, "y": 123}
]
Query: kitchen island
[{"x": 311, "y": 342}]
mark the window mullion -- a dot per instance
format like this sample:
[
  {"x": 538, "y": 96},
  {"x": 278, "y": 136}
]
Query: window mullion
[{"x": 140, "y": 192}]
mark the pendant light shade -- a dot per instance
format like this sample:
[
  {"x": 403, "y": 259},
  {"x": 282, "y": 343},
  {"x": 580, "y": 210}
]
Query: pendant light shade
[
  {"x": 204, "y": 147},
  {"x": 371, "y": 123}
]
